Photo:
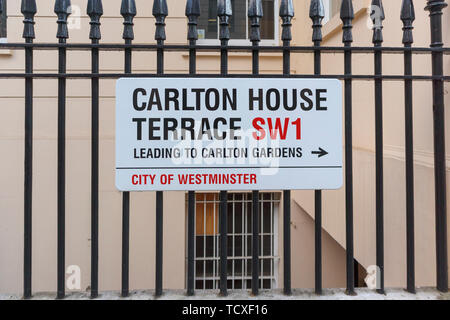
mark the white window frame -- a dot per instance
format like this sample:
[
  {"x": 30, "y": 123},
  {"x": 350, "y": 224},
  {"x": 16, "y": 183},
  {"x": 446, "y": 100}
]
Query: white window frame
[
  {"x": 5, "y": 39},
  {"x": 246, "y": 42},
  {"x": 327, "y": 7},
  {"x": 275, "y": 199}
]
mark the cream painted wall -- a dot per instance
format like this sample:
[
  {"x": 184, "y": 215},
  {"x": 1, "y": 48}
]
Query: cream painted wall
[
  {"x": 364, "y": 146},
  {"x": 143, "y": 204},
  {"x": 78, "y": 156}
]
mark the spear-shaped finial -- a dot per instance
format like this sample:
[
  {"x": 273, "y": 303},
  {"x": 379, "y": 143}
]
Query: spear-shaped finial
[
  {"x": 317, "y": 13},
  {"x": 95, "y": 11},
  {"x": 408, "y": 16},
  {"x": 255, "y": 13},
  {"x": 377, "y": 16},
  {"x": 224, "y": 12},
  {"x": 160, "y": 12},
  {"x": 128, "y": 12},
  {"x": 28, "y": 9},
  {"x": 347, "y": 16},
  {"x": 192, "y": 12},
  {"x": 286, "y": 14},
  {"x": 62, "y": 10}
]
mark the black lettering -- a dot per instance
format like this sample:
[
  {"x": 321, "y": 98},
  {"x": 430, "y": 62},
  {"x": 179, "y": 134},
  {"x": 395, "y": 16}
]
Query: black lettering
[
  {"x": 154, "y": 100},
  {"x": 216, "y": 129},
  {"x": 185, "y": 106},
  {"x": 205, "y": 128},
  {"x": 187, "y": 124},
  {"x": 228, "y": 99},
  {"x": 269, "y": 99},
  {"x": 252, "y": 99},
  {"x": 320, "y": 99},
  {"x": 294, "y": 100},
  {"x": 208, "y": 99},
  {"x": 171, "y": 95},
  {"x": 152, "y": 128},
  {"x": 139, "y": 122},
  {"x": 198, "y": 96},
  {"x": 170, "y": 125},
  {"x": 306, "y": 99},
  {"x": 135, "y": 99},
  {"x": 234, "y": 127}
]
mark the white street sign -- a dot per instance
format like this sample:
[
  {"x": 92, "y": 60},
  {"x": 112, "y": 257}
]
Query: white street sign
[{"x": 205, "y": 134}]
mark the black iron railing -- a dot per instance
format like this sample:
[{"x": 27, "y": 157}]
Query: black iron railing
[{"x": 255, "y": 13}]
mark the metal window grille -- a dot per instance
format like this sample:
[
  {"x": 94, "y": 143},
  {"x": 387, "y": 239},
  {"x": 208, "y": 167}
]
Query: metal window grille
[
  {"x": 3, "y": 21},
  {"x": 239, "y": 236},
  {"x": 209, "y": 28}
]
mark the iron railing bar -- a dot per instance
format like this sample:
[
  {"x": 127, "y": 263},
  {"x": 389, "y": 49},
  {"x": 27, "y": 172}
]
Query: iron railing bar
[
  {"x": 126, "y": 206},
  {"x": 408, "y": 16},
  {"x": 95, "y": 11},
  {"x": 255, "y": 13},
  {"x": 379, "y": 152},
  {"x": 94, "y": 173},
  {"x": 316, "y": 13},
  {"x": 224, "y": 13},
  {"x": 286, "y": 14},
  {"x": 160, "y": 12},
  {"x": 215, "y": 48},
  {"x": 193, "y": 13},
  {"x": 61, "y": 175},
  {"x": 125, "y": 243},
  {"x": 159, "y": 211},
  {"x": 435, "y": 8},
  {"x": 255, "y": 242},
  {"x": 61, "y": 196},
  {"x": 128, "y": 11},
  {"x": 191, "y": 244},
  {"x": 347, "y": 15},
  {"x": 28, "y": 10},
  {"x": 234, "y": 75}
]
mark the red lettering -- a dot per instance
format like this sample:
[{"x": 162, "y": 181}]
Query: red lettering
[
  {"x": 259, "y": 129},
  {"x": 298, "y": 124},
  {"x": 278, "y": 129}
]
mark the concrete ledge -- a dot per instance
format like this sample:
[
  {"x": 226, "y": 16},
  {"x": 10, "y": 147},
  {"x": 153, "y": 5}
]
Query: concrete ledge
[{"x": 329, "y": 294}]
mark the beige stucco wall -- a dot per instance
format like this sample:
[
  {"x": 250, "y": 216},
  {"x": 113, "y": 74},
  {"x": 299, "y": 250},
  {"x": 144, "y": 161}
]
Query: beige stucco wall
[
  {"x": 142, "y": 241},
  {"x": 394, "y": 161}
]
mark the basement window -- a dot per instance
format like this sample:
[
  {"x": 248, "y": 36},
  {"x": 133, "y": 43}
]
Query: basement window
[
  {"x": 3, "y": 23},
  {"x": 208, "y": 26},
  {"x": 332, "y": 8},
  {"x": 207, "y": 241}
]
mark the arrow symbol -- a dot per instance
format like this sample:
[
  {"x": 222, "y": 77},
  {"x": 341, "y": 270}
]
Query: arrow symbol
[{"x": 320, "y": 153}]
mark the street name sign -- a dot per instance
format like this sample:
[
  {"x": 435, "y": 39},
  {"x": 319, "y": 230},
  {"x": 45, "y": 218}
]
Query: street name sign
[{"x": 204, "y": 134}]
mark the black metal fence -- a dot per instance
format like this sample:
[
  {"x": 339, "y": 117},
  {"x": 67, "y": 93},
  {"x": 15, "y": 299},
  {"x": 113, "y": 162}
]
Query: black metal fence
[{"x": 255, "y": 13}]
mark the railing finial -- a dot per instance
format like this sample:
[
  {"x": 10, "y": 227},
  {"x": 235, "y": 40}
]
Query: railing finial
[
  {"x": 377, "y": 16},
  {"x": 286, "y": 14},
  {"x": 28, "y": 9},
  {"x": 62, "y": 10},
  {"x": 408, "y": 16},
  {"x": 435, "y": 8},
  {"x": 160, "y": 12},
  {"x": 347, "y": 16},
  {"x": 435, "y": 5},
  {"x": 317, "y": 13},
  {"x": 255, "y": 13},
  {"x": 224, "y": 12},
  {"x": 95, "y": 11},
  {"x": 128, "y": 12},
  {"x": 192, "y": 12}
]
